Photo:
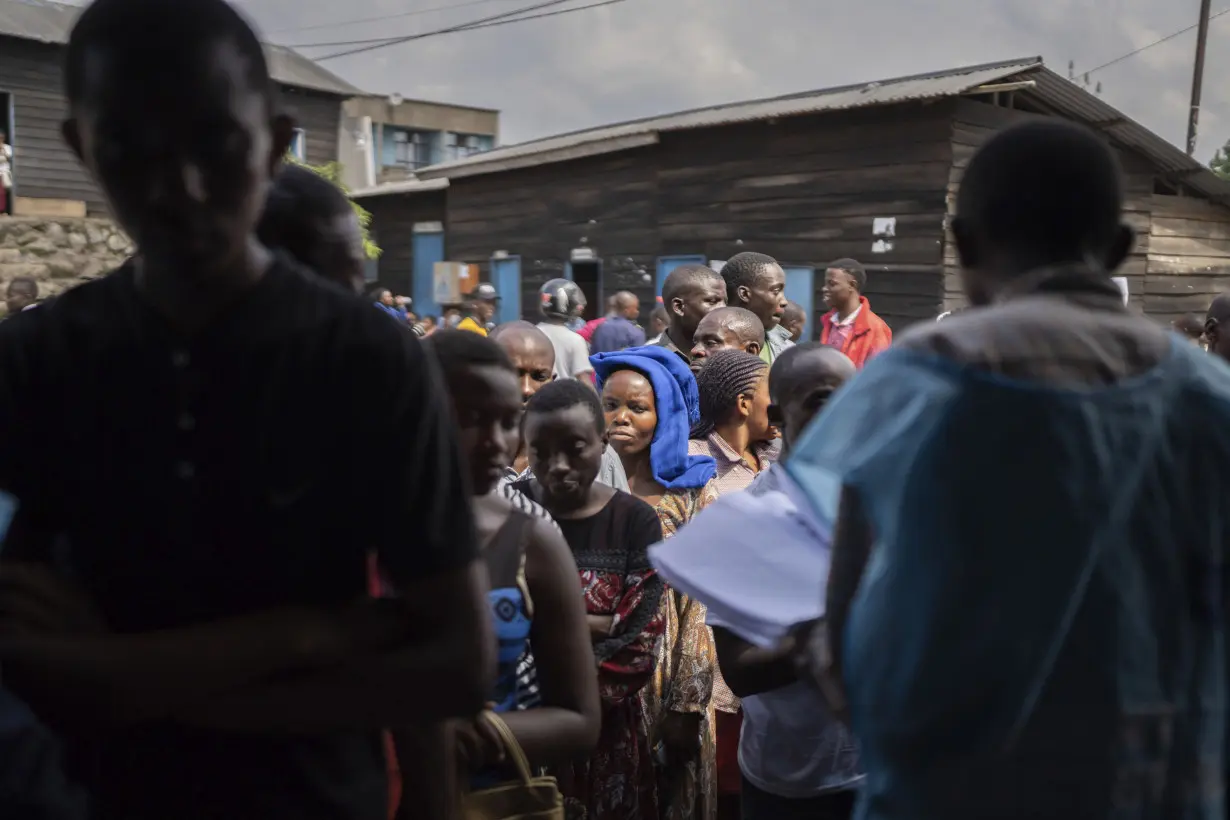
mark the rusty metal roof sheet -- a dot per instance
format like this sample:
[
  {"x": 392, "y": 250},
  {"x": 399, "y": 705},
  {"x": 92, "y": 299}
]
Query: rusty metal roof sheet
[
  {"x": 623, "y": 136},
  {"x": 48, "y": 22}
]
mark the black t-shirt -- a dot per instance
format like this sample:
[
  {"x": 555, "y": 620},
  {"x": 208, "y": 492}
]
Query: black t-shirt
[{"x": 253, "y": 465}]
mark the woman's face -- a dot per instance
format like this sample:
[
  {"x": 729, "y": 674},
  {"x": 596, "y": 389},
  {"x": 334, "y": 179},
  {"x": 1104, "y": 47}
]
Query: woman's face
[
  {"x": 631, "y": 412},
  {"x": 488, "y": 407},
  {"x": 758, "y": 425},
  {"x": 565, "y": 454}
]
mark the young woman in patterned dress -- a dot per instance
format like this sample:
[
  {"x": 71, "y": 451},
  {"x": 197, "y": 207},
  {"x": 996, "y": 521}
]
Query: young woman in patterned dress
[
  {"x": 610, "y": 533},
  {"x": 649, "y": 397}
]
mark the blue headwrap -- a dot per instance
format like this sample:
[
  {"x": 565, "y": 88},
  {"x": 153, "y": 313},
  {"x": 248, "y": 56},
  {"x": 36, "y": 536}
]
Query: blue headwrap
[{"x": 678, "y": 403}]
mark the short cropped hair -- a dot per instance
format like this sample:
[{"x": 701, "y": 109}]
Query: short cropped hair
[
  {"x": 684, "y": 277},
  {"x": 1046, "y": 186},
  {"x": 147, "y": 31},
  {"x": 743, "y": 269},
  {"x": 456, "y": 350},
  {"x": 854, "y": 268},
  {"x": 565, "y": 393}
]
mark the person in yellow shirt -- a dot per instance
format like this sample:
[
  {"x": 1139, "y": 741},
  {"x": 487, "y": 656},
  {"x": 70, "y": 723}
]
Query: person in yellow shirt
[{"x": 480, "y": 308}]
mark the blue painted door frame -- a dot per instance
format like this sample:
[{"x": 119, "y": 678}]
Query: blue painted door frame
[
  {"x": 666, "y": 264},
  {"x": 801, "y": 289},
  {"x": 506, "y": 276},
  {"x": 427, "y": 250}
]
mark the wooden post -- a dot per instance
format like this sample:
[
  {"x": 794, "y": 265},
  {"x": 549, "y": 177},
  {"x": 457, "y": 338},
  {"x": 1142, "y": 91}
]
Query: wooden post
[{"x": 1202, "y": 39}]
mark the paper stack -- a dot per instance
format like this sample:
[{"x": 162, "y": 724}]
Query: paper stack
[{"x": 759, "y": 562}]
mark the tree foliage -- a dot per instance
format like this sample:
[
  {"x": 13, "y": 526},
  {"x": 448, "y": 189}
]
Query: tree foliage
[
  {"x": 332, "y": 171},
  {"x": 1220, "y": 164}
]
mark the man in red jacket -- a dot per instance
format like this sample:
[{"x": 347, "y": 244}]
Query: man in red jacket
[{"x": 850, "y": 326}]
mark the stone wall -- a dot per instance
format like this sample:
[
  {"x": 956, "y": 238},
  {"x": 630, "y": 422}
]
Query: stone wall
[{"x": 59, "y": 253}]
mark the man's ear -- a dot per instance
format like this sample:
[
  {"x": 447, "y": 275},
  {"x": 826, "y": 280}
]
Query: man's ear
[
  {"x": 743, "y": 294},
  {"x": 754, "y": 348},
  {"x": 676, "y": 306}
]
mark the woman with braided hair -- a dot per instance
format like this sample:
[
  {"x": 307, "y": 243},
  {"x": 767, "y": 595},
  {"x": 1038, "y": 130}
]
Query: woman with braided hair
[{"x": 734, "y": 429}]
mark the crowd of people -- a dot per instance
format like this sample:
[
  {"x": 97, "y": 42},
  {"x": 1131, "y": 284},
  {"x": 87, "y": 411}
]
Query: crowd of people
[{"x": 272, "y": 551}]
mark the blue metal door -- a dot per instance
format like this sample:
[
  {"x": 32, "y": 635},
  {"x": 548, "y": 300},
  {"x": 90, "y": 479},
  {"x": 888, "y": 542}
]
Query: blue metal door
[
  {"x": 666, "y": 264},
  {"x": 506, "y": 276},
  {"x": 801, "y": 289},
  {"x": 427, "y": 249}
]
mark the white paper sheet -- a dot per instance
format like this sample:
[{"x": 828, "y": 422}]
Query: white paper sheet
[{"x": 759, "y": 563}]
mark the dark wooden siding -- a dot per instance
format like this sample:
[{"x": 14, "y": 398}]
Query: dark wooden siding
[
  {"x": 1189, "y": 256},
  {"x": 320, "y": 116},
  {"x": 974, "y": 122},
  {"x": 393, "y": 218},
  {"x": 43, "y": 166},
  {"x": 806, "y": 190},
  {"x": 540, "y": 214}
]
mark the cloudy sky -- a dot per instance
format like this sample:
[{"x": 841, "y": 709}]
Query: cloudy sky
[{"x": 644, "y": 57}]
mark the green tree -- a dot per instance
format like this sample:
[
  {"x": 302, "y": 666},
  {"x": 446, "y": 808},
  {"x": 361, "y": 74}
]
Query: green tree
[
  {"x": 1220, "y": 164},
  {"x": 332, "y": 171}
]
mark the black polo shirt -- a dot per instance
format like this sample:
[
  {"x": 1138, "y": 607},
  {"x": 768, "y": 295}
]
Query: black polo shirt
[{"x": 250, "y": 466}]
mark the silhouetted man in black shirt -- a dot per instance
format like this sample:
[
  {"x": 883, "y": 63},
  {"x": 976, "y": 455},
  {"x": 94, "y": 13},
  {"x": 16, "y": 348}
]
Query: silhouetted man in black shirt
[{"x": 212, "y": 442}]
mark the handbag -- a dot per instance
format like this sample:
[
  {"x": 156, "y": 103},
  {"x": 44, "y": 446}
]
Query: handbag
[{"x": 527, "y": 798}]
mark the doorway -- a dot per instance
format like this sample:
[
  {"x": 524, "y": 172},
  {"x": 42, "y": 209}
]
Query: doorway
[
  {"x": 8, "y": 181},
  {"x": 588, "y": 277}
]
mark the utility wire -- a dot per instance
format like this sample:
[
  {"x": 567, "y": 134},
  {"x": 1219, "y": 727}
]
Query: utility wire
[
  {"x": 1156, "y": 42},
  {"x": 389, "y": 41},
  {"x": 383, "y": 17},
  {"x": 463, "y": 28},
  {"x": 484, "y": 22}
]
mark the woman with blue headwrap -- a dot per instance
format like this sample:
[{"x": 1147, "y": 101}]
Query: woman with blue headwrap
[{"x": 650, "y": 400}]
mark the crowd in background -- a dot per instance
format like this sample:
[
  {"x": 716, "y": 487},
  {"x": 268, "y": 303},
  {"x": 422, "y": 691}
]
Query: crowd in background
[{"x": 272, "y": 550}]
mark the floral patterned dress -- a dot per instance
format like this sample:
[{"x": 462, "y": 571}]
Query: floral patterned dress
[
  {"x": 683, "y": 680},
  {"x": 612, "y": 554}
]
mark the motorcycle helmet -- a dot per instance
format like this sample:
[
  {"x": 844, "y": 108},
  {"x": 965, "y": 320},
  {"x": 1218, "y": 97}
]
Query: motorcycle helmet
[{"x": 560, "y": 298}]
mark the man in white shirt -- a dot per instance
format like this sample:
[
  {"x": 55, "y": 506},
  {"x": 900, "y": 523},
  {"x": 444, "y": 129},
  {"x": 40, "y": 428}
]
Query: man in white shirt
[{"x": 797, "y": 759}]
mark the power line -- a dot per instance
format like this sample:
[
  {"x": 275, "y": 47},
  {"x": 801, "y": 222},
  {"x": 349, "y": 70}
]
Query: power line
[
  {"x": 480, "y": 23},
  {"x": 389, "y": 41},
  {"x": 461, "y": 28},
  {"x": 383, "y": 17},
  {"x": 1156, "y": 42}
]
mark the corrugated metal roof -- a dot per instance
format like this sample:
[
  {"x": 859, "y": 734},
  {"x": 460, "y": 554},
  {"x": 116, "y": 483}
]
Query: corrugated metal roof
[
  {"x": 404, "y": 186},
  {"x": 49, "y": 22},
  {"x": 1053, "y": 91},
  {"x": 289, "y": 67},
  {"x": 1072, "y": 101},
  {"x": 626, "y": 135}
]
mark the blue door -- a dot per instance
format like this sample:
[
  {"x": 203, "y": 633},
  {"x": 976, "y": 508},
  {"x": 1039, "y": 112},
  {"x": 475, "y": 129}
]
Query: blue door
[
  {"x": 801, "y": 289},
  {"x": 427, "y": 249},
  {"x": 666, "y": 264},
  {"x": 506, "y": 276}
]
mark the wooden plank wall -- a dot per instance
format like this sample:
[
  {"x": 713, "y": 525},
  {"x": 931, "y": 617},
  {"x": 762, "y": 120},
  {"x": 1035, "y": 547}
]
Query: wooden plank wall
[
  {"x": 973, "y": 122},
  {"x": 806, "y": 190},
  {"x": 43, "y": 166},
  {"x": 393, "y": 218},
  {"x": 1189, "y": 256},
  {"x": 608, "y": 203},
  {"x": 320, "y": 116}
]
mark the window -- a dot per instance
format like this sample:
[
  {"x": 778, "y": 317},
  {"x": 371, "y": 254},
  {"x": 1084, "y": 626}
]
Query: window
[
  {"x": 298, "y": 145},
  {"x": 411, "y": 149},
  {"x": 460, "y": 146}
]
